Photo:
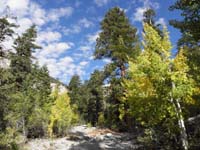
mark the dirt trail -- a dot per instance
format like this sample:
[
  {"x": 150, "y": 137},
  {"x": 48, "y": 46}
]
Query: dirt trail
[{"x": 86, "y": 138}]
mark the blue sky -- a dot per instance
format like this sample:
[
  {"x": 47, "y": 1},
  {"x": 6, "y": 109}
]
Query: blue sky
[{"x": 67, "y": 29}]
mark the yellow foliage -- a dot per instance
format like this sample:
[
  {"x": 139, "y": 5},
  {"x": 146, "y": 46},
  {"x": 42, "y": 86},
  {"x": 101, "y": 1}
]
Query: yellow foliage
[
  {"x": 149, "y": 86},
  {"x": 61, "y": 113}
]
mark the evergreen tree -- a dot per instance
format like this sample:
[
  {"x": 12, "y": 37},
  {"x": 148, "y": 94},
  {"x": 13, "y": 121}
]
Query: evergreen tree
[
  {"x": 21, "y": 60},
  {"x": 40, "y": 90},
  {"x": 21, "y": 67},
  {"x": 189, "y": 25},
  {"x": 118, "y": 39},
  {"x": 75, "y": 92},
  {"x": 6, "y": 30},
  {"x": 84, "y": 101},
  {"x": 149, "y": 18},
  {"x": 95, "y": 102}
]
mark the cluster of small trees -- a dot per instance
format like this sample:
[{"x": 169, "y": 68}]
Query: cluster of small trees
[{"x": 27, "y": 105}]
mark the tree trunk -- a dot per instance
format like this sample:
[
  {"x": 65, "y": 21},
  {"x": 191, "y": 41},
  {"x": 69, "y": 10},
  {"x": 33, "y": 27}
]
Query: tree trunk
[
  {"x": 181, "y": 124},
  {"x": 23, "y": 127},
  {"x": 123, "y": 70}
]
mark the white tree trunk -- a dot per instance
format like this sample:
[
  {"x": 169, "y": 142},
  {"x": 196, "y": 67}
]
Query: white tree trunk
[
  {"x": 23, "y": 126},
  {"x": 181, "y": 122}
]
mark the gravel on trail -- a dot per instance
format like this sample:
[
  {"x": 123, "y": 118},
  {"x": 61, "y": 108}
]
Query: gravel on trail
[{"x": 86, "y": 138}]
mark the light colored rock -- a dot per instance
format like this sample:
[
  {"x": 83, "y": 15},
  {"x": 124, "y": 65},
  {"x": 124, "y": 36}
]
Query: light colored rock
[{"x": 109, "y": 134}]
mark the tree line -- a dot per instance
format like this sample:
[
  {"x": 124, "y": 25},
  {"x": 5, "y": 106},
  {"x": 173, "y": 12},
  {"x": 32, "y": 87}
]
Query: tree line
[{"x": 143, "y": 89}]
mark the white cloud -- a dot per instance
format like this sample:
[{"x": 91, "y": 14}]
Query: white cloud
[
  {"x": 85, "y": 23},
  {"x": 18, "y": 4},
  {"x": 55, "y": 14},
  {"x": 74, "y": 30},
  {"x": 106, "y": 60},
  {"x": 38, "y": 15},
  {"x": 161, "y": 21},
  {"x": 83, "y": 63},
  {"x": 18, "y": 7},
  {"x": 85, "y": 48},
  {"x": 138, "y": 14},
  {"x": 61, "y": 68},
  {"x": 92, "y": 37},
  {"x": 150, "y": 4},
  {"x": 91, "y": 58},
  {"x": 54, "y": 50},
  {"x": 123, "y": 9},
  {"x": 100, "y": 3},
  {"x": 48, "y": 36},
  {"x": 25, "y": 23}
]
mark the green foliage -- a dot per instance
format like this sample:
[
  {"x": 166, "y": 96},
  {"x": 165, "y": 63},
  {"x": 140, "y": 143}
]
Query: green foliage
[
  {"x": 75, "y": 93},
  {"x": 101, "y": 119},
  {"x": 27, "y": 89},
  {"x": 6, "y": 30},
  {"x": 118, "y": 39},
  {"x": 6, "y": 86},
  {"x": 33, "y": 103},
  {"x": 149, "y": 18},
  {"x": 21, "y": 60},
  {"x": 189, "y": 27},
  {"x": 189, "y": 24},
  {"x": 95, "y": 101},
  {"x": 62, "y": 115},
  {"x": 9, "y": 139}
]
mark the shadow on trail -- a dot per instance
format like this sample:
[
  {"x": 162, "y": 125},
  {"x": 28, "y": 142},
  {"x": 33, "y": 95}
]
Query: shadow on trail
[
  {"x": 104, "y": 141},
  {"x": 87, "y": 145}
]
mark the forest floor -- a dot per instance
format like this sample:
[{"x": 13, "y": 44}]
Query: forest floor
[{"x": 86, "y": 138}]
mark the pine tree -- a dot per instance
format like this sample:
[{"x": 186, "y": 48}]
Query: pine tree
[
  {"x": 118, "y": 39},
  {"x": 75, "y": 93},
  {"x": 189, "y": 25},
  {"x": 95, "y": 102},
  {"x": 21, "y": 67},
  {"x": 6, "y": 31},
  {"x": 149, "y": 18},
  {"x": 21, "y": 60},
  {"x": 39, "y": 86}
]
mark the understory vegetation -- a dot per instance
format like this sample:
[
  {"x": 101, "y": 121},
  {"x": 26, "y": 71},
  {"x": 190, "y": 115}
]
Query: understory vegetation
[{"x": 144, "y": 89}]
